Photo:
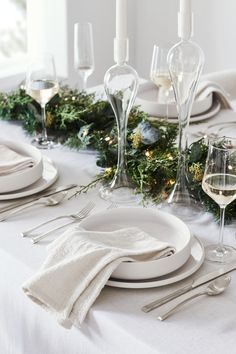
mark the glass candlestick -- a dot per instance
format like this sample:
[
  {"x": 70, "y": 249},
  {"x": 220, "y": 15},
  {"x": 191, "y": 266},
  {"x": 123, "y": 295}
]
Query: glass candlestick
[
  {"x": 185, "y": 65},
  {"x": 121, "y": 84}
]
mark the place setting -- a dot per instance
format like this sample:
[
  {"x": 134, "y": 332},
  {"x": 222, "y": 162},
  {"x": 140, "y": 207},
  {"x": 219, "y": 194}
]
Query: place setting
[
  {"x": 26, "y": 177},
  {"x": 157, "y": 98}
]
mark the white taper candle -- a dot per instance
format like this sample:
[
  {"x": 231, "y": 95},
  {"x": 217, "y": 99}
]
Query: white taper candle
[
  {"x": 121, "y": 19},
  {"x": 185, "y": 6},
  {"x": 185, "y": 20}
]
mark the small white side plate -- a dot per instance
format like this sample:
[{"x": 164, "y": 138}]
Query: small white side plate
[
  {"x": 21, "y": 179},
  {"x": 190, "y": 267},
  {"x": 49, "y": 176}
]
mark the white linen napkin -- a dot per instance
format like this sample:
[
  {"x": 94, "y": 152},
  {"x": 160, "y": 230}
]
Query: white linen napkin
[
  {"x": 12, "y": 161},
  {"x": 207, "y": 87},
  {"x": 79, "y": 264}
]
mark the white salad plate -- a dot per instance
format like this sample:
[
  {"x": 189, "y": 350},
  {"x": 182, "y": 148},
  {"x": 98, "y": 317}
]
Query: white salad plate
[
  {"x": 21, "y": 179},
  {"x": 147, "y": 99},
  {"x": 49, "y": 176},
  {"x": 165, "y": 227},
  {"x": 193, "y": 263}
]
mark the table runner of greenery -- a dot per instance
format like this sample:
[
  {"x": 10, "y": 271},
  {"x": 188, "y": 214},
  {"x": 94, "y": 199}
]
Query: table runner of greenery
[{"x": 80, "y": 121}]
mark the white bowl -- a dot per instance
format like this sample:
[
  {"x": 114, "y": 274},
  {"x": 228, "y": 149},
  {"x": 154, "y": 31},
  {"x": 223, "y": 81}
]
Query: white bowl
[
  {"x": 24, "y": 178},
  {"x": 161, "y": 225},
  {"x": 147, "y": 99}
]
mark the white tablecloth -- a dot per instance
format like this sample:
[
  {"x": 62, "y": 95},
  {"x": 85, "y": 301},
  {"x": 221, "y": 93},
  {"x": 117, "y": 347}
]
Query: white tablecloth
[{"x": 115, "y": 324}]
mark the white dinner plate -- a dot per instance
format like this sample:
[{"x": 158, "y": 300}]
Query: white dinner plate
[
  {"x": 49, "y": 176},
  {"x": 147, "y": 98},
  {"x": 165, "y": 227},
  {"x": 190, "y": 267}
]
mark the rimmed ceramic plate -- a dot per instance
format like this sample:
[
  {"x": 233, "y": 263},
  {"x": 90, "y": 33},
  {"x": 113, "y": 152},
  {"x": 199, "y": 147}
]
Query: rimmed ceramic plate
[
  {"x": 165, "y": 227},
  {"x": 21, "y": 179},
  {"x": 149, "y": 102},
  {"x": 190, "y": 267},
  {"x": 49, "y": 176}
]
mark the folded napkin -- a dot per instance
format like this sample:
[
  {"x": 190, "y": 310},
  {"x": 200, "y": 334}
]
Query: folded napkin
[
  {"x": 207, "y": 87},
  {"x": 79, "y": 264},
  {"x": 12, "y": 161},
  {"x": 225, "y": 78}
]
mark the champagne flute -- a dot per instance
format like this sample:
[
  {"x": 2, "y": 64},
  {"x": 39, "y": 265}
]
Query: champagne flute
[
  {"x": 159, "y": 74},
  {"x": 83, "y": 51},
  {"x": 42, "y": 85},
  {"x": 219, "y": 182}
]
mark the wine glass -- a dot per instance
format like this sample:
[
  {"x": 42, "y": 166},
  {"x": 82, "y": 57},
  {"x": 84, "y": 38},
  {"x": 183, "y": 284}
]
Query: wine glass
[
  {"x": 83, "y": 51},
  {"x": 219, "y": 182},
  {"x": 42, "y": 85},
  {"x": 159, "y": 74}
]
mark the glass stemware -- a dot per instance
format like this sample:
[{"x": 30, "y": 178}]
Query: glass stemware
[
  {"x": 219, "y": 182},
  {"x": 42, "y": 85},
  {"x": 185, "y": 61},
  {"x": 83, "y": 51},
  {"x": 159, "y": 74},
  {"x": 121, "y": 84}
]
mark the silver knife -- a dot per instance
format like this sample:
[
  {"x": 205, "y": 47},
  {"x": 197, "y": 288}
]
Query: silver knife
[
  {"x": 194, "y": 284},
  {"x": 38, "y": 196}
]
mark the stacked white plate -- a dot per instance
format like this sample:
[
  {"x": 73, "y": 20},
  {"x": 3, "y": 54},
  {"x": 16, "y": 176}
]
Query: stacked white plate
[
  {"x": 188, "y": 256},
  {"x": 30, "y": 180},
  {"x": 147, "y": 99}
]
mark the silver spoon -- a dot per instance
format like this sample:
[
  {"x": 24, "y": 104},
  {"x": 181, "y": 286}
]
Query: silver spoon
[
  {"x": 215, "y": 287},
  {"x": 47, "y": 201}
]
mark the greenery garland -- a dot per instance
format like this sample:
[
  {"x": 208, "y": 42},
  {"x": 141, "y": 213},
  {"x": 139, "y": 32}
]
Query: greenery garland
[{"x": 80, "y": 121}]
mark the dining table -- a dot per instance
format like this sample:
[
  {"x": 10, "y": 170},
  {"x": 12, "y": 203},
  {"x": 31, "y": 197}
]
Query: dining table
[{"x": 115, "y": 324}]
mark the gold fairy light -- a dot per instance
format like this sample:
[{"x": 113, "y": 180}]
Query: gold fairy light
[
  {"x": 136, "y": 139},
  {"x": 169, "y": 157},
  {"x": 148, "y": 153},
  {"x": 170, "y": 182},
  {"x": 197, "y": 172},
  {"x": 108, "y": 172}
]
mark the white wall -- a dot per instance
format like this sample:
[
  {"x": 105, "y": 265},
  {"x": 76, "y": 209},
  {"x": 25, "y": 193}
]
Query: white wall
[
  {"x": 149, "y": 22},
  {"x": 101, "y": 13},
  {"x": 214, "y": 31},
  {"x": 155, "y": 21}
]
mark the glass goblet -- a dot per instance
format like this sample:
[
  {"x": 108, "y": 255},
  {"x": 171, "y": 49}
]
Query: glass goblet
[
  {"x": 185, "y": 60},
  {"x": 219, "y": 182},
  {"x": 42, "y": 85},
  {"x": 121, "y": 84}
]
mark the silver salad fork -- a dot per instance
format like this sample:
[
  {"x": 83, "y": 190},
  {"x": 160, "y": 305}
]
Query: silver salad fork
[{"x": 75, "y": 218}]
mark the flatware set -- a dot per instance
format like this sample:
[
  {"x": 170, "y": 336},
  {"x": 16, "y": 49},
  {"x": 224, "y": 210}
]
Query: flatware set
[{"x": 190, "y": 286}]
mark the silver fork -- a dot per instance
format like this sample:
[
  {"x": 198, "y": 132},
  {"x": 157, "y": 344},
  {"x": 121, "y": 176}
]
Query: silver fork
[{"x": 75, "y": 217}]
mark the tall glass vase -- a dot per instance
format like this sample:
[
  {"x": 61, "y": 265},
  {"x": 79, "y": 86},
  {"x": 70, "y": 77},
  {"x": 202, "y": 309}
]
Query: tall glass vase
[
  {"x": 185, "y": 65},
  {"x": 121, "y": 84}
]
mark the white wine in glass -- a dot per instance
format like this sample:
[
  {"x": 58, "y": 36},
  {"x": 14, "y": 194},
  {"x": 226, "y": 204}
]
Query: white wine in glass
[
  {"x": 159, "y": 74},
  {"x": 83, "y": 51},
  {"x": 219, "y": 182},
  {"x": 42, "y": 86}
]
